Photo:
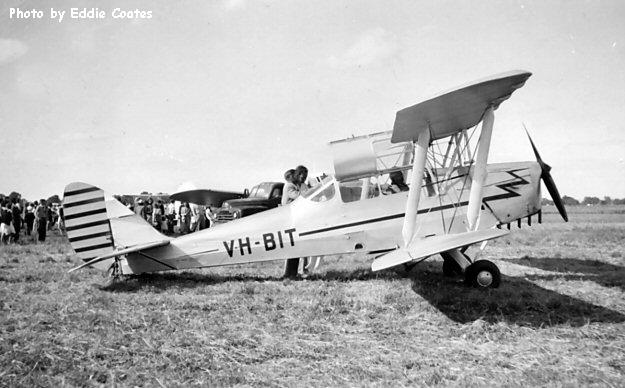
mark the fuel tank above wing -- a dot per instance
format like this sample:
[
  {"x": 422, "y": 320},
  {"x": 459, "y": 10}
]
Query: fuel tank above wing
[{"x": 367, "y": 155}]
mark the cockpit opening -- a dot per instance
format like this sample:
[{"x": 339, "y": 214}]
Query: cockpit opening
[{"x": 385, "y": 184}]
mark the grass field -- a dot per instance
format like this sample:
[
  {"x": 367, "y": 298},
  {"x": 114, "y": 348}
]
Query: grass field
[{"x": 558, "y": 319}]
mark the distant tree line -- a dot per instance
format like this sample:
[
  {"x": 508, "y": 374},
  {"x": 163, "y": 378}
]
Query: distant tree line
[{"x": 587, "y": 201}]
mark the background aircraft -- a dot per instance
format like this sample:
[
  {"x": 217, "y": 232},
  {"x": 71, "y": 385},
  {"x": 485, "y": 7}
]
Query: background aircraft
[{"x": 213, "y": 198}]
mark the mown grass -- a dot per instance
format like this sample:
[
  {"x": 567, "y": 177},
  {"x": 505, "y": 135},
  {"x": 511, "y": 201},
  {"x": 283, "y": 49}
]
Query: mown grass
[{"x": 558, "y": 319}]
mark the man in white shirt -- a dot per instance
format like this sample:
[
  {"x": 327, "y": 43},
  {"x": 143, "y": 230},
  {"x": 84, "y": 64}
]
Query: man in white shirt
[{"x": 170, "y": 216}]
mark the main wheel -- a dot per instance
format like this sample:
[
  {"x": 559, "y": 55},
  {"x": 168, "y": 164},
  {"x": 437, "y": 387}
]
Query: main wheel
[{"x": 483, "y": 274}]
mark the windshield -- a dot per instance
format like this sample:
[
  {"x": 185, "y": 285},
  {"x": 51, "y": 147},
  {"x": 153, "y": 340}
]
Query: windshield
[
  {"x": 315, "y": 188},
  {"x": 261, "y": 191},
  {"x": 321, "y": 192}
]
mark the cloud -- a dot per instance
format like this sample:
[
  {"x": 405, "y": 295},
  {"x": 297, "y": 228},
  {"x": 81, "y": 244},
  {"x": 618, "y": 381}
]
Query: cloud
[
  {"x": 11, "y": 49},
  {"x": 373, "y": 46},
  {"x": 232, "y": 5}
]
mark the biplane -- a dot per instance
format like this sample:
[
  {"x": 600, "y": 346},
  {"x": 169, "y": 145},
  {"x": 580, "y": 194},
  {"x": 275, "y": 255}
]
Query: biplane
[{"x": 451, "y": 199}]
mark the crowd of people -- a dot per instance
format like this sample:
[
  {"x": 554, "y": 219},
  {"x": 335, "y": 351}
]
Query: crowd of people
[
  {"x": 25, "y": 221},
  {"x": 168, "y": 218},
  {"x": 32, "y": 219}
]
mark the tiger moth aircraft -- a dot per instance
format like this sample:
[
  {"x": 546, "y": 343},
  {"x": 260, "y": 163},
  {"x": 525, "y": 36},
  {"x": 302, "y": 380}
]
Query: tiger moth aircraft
[{"x": 452, "y": 199}]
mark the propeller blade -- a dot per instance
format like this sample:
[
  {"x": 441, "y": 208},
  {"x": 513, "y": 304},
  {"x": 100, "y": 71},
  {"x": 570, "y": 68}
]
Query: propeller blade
[
  {"x": 553, "y": 191},
  {"x": 548, "y": 180},
  {"x": 544, "y": 166}
]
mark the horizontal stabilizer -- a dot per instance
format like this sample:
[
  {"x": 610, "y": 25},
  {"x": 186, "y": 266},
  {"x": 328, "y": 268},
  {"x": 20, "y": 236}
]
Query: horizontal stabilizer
[
  {"x": 422, "y": 248},
  {"x": 456, "y": 110},
  {"x": 120, "y": 252},
  {"x": 133, "y": 230}
]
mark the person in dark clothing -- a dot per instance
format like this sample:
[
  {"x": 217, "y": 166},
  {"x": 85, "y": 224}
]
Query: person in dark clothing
[
  {"x": 147, "y": 210},
  {"x": 298, "y": 179},
  {"x": 61, "y": 220},
  {"x": 50, "y": 216},
  {"x": 158, "y": 213},
  {"x": 30, "y": 217},
  {"x": 41, "y": 216},
  {"x": 397, "y": 183}
]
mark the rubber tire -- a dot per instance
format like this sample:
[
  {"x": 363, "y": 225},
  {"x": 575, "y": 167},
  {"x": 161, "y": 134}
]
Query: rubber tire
[
  {"x": 471, "y": 273},
  {"x": 451, "y": 268}
]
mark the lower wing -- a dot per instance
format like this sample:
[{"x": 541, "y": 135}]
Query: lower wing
[{"x": 424, "y": 247}]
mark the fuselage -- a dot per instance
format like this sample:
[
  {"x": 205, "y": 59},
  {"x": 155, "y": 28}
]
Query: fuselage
[{"x": 338, "y": 218}]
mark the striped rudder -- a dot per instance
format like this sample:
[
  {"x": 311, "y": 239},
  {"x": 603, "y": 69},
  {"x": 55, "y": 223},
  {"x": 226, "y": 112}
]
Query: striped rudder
[{"x": 86, "y": 221}]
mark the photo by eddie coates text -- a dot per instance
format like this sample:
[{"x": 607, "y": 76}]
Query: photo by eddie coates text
[{"x": 79, "y": 13}]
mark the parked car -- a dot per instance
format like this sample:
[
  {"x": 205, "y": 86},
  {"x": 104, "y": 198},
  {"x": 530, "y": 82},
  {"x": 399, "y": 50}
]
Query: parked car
[{"x": 264, "y": 196}]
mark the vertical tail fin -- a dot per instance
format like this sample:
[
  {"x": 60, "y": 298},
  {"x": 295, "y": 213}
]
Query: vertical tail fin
[
  {"x": 86, "y": 221},
  {"x": 100, "y": 226}
]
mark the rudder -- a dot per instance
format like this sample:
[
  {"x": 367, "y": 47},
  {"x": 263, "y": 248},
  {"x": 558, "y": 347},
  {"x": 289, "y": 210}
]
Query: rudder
[{"x": 86, "y": 221}]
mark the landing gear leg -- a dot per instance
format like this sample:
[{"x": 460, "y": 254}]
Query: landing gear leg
[
  {"x": 115, "y": 270},
  {"x": 455, "y": 262}
]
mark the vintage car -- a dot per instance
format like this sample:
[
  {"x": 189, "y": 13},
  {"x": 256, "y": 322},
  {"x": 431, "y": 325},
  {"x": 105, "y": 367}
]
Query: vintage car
[{"x": 264, "y": 196}]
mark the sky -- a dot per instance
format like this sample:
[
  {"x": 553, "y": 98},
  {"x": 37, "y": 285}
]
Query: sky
[{"x": 229, "y": 93}]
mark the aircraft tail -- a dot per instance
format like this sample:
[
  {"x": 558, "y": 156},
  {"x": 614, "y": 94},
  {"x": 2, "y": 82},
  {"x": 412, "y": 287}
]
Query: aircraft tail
[
  {"x": 97, "y": 226},
  {"x": 86, "y": 221}
]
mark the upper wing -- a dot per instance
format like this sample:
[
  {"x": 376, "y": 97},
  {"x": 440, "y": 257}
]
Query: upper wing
[
  {"x": 205, "y": 197},
  {"x": 422, "y": 248},
  {"x": 457, "y": 109}
]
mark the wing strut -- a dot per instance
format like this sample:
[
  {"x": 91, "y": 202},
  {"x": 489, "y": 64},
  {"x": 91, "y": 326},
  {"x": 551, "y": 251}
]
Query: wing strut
[
  {"x": 479, "y": 171},
  {"x": 420, "y": 148}
]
